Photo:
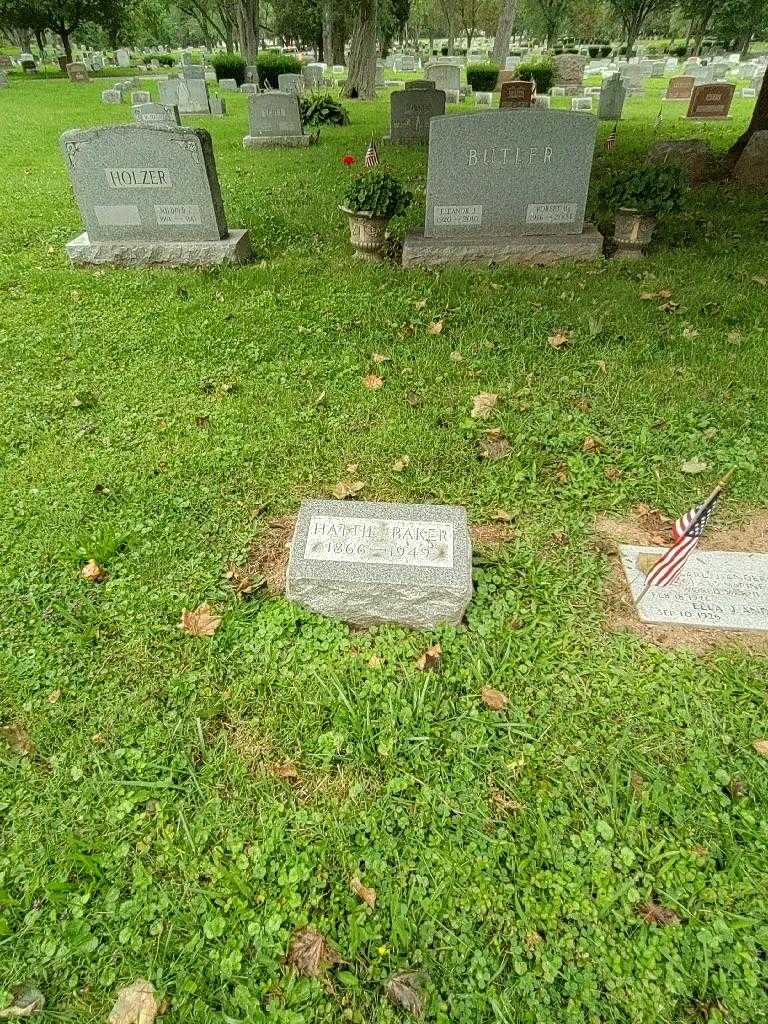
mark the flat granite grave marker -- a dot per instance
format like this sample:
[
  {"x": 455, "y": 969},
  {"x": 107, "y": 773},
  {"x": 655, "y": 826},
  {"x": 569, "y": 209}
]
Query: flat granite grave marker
[
  {"x": 112, "y": 97},
  {"x": 581, "y": 103},
  {"x": 507, "y": 186},
  {"x": 516, "y": 94},
  {"x": 368, "y": 562},
  {"x": 275, "y": 120},
  {"x": 610, "y": 104},
  {"x": 148, "y": 195},
  {"x": 156, "y": 114},
  {"x": 141, "y": 96},
  {"x": 711, "y": 102},
  {"x": 78, "y": 72},
  {"x": 411, "y": 112},
  {"x": 717, "y": 589},
  {"x": 680, "y": 87}
]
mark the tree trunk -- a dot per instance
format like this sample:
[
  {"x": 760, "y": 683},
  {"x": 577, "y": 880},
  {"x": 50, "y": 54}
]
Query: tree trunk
[
  {"x": 361, "y": 75},
  {"x": 63, "y": 33},
  {"x": 248, "y": 29},
  {"x": 338, "y": 36},
  {"x": 325, "y": 44},
  {"x": 759, "y": 122},
  {"x": 503, "y": 35}
]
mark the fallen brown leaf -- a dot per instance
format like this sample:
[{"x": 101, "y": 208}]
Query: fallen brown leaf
[
  {"x": 17, "y": 739},
  {"x": 54, "y": 696},
  {"x": 378, "y": 358},
  {"x": 200, "y": 622},
  {"x": 374, "y": 661},
  {"x": 500, "y": 516},
  {"x": 613, "y": 473},
  {"x": 654, "y": 913},
  {"x": 406, "y": 991},
  {"x": 348, "y": 489},
  {"x": 502, "y": 802},
  {"x": 494, "y": 445},
  {"x": 372, "y": 382},
  {"x": 310, "y": 954},
  {"x": 366, "y": 894},
  {"x": 286, "y": 771},
  {"x": 560, "y": 339},
  {"x": 591, "y": 444},
  {"x": 761, "y": 747},
  {"x": 494, "y": 699},
  {"x": 483, "y": 404},
  {"x": 93, "y": 572},
  {"x": 436, "y": 327},
  {"x": 242, "y": 584},
  {"x": 420, "y": 303},
  {"x": 135, "y": 1004},
  {"x": 400, "y": 464},
  {"x": 456, "y": 357},
  {"x": 431, "y": 659}
]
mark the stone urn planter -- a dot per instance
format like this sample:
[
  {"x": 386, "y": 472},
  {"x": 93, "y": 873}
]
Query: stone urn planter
[
  {"x": 367, "y": 234},
  {"x": 633, "y": 232}
]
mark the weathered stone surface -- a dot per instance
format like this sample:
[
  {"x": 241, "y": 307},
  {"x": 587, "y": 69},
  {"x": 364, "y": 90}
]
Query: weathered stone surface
[
  {"x": 368, "y": 562},
  {"x": 487, "y": 251},
  {"x": 156, "y": 114},
  {"x": 711, "y": 102},
  {"x": 275, "y": 120},
  {"x": 611, "y": 102},
  {"x": 420, "y": 83},
  {"x": 751, "y": 168},
  {"x": 516, "y": 94},
  {"x": 78, "y": 72},
  {"x": 235, "y": 248},
  {"x": 140, "y": 96},
  {"x": 112, "y": 96},
  {"x": 695, "y": 156},
  {"x": 445, "y": 76},
  {"x": 290, "y": 83},
  {"x": 228, "y": 85},
  {"x": 193, "y": 72},
  {"x": 680, "y": 87},
  {"x": 411, "y": 112},
  {"x": 570, "y": 72}
]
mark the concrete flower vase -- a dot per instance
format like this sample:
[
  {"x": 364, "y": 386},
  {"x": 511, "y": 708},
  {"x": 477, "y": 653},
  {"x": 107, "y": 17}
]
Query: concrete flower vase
[
  {"x": 368, "y": 234},
  {"x": 633, "y": 232}
]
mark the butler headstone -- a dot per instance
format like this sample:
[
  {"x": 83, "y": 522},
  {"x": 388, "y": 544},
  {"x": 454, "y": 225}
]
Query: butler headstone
[
  {"x": 368, "y": 563},
  {"x": 78, "y": 72},
  {"x": 516, "y": 94},
  {"x": 148, "y": 195},
  {"x": 156, "y": 114},
  {"x": 275, "y": 120},
  {"x": 716, "y": 589},
  {"x": 507, "y": 186},
  {"x": 680, "y": 87},
  {"x": 611, "y": 102},
  {"x": 711, "y": 102},
  {"x": 411, "y": 112}
]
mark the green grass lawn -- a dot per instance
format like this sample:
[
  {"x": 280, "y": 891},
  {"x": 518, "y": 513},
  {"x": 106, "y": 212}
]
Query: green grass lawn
[{"x": 149, "y": 833}]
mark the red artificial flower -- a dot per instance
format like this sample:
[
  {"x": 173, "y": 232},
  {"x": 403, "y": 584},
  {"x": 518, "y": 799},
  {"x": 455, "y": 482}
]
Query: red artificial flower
[{"x": 348, "y": 160}]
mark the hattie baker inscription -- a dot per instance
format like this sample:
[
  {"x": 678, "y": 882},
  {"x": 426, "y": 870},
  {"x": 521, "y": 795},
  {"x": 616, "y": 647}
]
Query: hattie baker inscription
[
  {"x": 379, "y": 541},
  {"x": 516, "y": 157}
]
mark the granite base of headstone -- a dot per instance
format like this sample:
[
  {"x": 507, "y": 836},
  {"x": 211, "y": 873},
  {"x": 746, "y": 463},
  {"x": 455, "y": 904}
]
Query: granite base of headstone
[
  {"x": 217, "y": 106},
  {"x": 509, "y": 186},
  {"x": 369, "y": 563},
  {"x": 483, "y": 99},
  {"x": 275, "y": 120},
  {"x": 148, "y": 195}
]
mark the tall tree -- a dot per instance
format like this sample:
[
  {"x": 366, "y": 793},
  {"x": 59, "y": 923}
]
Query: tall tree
[
  {"x": 758, "y": 123},
  {"x": 507, "y": 15},
  {"x": 450, "y": 15},
  {"x": 247, "y": 13},
  {"x": 632, "y": 14},
  {"x": 361, "y": 69},
  {"x": 552, "y": 14}
]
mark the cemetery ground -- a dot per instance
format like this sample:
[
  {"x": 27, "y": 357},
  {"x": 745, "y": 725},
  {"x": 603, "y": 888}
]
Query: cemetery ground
[{"x": 589, "y": 846}]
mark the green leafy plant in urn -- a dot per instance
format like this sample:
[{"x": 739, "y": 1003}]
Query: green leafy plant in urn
[
  {"x": 637, "y": 198},
  {"x": 373, "y": 198}
]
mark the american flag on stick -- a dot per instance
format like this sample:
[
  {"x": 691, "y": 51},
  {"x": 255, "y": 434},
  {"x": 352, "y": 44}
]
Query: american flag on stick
[
  {"x": 610, "y": 142},
  {"x": 372, "y": 154},
  {"x": 687, "y": 532}
]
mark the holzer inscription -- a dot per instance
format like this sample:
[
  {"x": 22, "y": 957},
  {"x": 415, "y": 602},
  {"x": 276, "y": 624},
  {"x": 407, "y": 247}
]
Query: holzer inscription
[{"x": 139, "y": 177}]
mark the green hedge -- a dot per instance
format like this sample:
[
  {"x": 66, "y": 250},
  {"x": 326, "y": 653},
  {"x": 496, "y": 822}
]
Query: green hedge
[
  {"x": 482, "y": 77},
  {"x": 272, "y": 64},
  {"x": 229, "y": 65},
  {"x": 542, "y": 72}
]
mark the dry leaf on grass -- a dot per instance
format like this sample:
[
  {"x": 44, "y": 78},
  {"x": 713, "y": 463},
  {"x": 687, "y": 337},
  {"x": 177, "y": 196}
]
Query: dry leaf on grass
[
  {"x": 366, "y": 894},
  {"x": 378, "y": 358},
  {"x": 431, "y": 659},
  {"x": 654, "y": 913},
  {"x": 456, "y": 357},
  {"x": 693, "y": 466},
  {"x": 406, "y": 991},
  {"x": 663, "y": 294},
  {"x": 372, "y": 382},
  {"x": 348, "y": 489},
  {"x": 93, "y": 572},
  {"x": 592, "y": 445},
  {"x": 242, "y": 583},
  {"x": 413, "y": 399},
  {"x": 54, "y": 696},
  {"x": 200, "y": 622},
  {"x": 436, "y": 327},
  {"x": 310, "y": 954},
  {"x": 135, "y": 1004},
  {"x": 17, "y": 739},
  {"x": 494, "y": 699},
  {"x": 420, "y": 303},
  {"x": 202, "y": 422},
  {"x": 400, "y": 464},
  {"x": 26, "y": 1002},
  {"x": 560, "y": 339},
  {"x": 483, "y": 404},
  {"x": 286, "y": 771},
  {"x": 502, "y": 802},
  {"x": 375, "y": 661},
  {"x": 613, "y": 473},
  {"x": 501, "y": 516},
  {"x": 494, "y": 445},
  {"x": 761, "y": 747}
]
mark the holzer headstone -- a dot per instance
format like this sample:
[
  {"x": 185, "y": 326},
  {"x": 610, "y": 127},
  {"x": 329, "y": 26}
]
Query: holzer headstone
[
  {"x": 148, "y": 195},
  {"x": 275, "y": 120},
  {"x": 368, "y": 563},
  {"x": 711, "y": 102},
  {"x": 507, "y": 186},
  {"x": 516, "y": 94},
  {"x": 411, "y": 112}
]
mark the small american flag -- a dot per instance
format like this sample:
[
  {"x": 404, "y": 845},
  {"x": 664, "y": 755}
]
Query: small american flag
[
  {"x": 610, "y": 142},
  {"x": 687, "y": 532},
  {"x": 371, "y": 155}
]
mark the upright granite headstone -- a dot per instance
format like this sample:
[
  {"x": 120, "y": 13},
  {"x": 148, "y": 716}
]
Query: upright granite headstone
[
  {"x": 148, "y": 195},
  {"x": 680, "y": 87},
  {"x": 516, "y": 94},
  {"x": 218, "y": 106},
  {"x": 193, "y": 72},
  {"x": 292, "y": 84},
  {"x": 156, "y": 114},
  {"x": 420, "y": 83},
  {"x": 252, "y": 74},
  {"x": 507, "y": 186},
  {"x": 275, "y": 120},
  {"x": 411, "y": 112},
  {"x": 192, "y": 96},
  {"x": 228, "y": 85},
  {"x": 249, "y": 89},
  {"x": 123, "y": 58},
  {"x": 445, "y": 76},
  {"x": 570, "y": 72},
  {"x": 711, "y": 102},
  {"x": 611, "y": 102},
  {"x": 368, "y": 563},
  {"x": 78, "y": 72},
  {"x": 97, "y": 61}
]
